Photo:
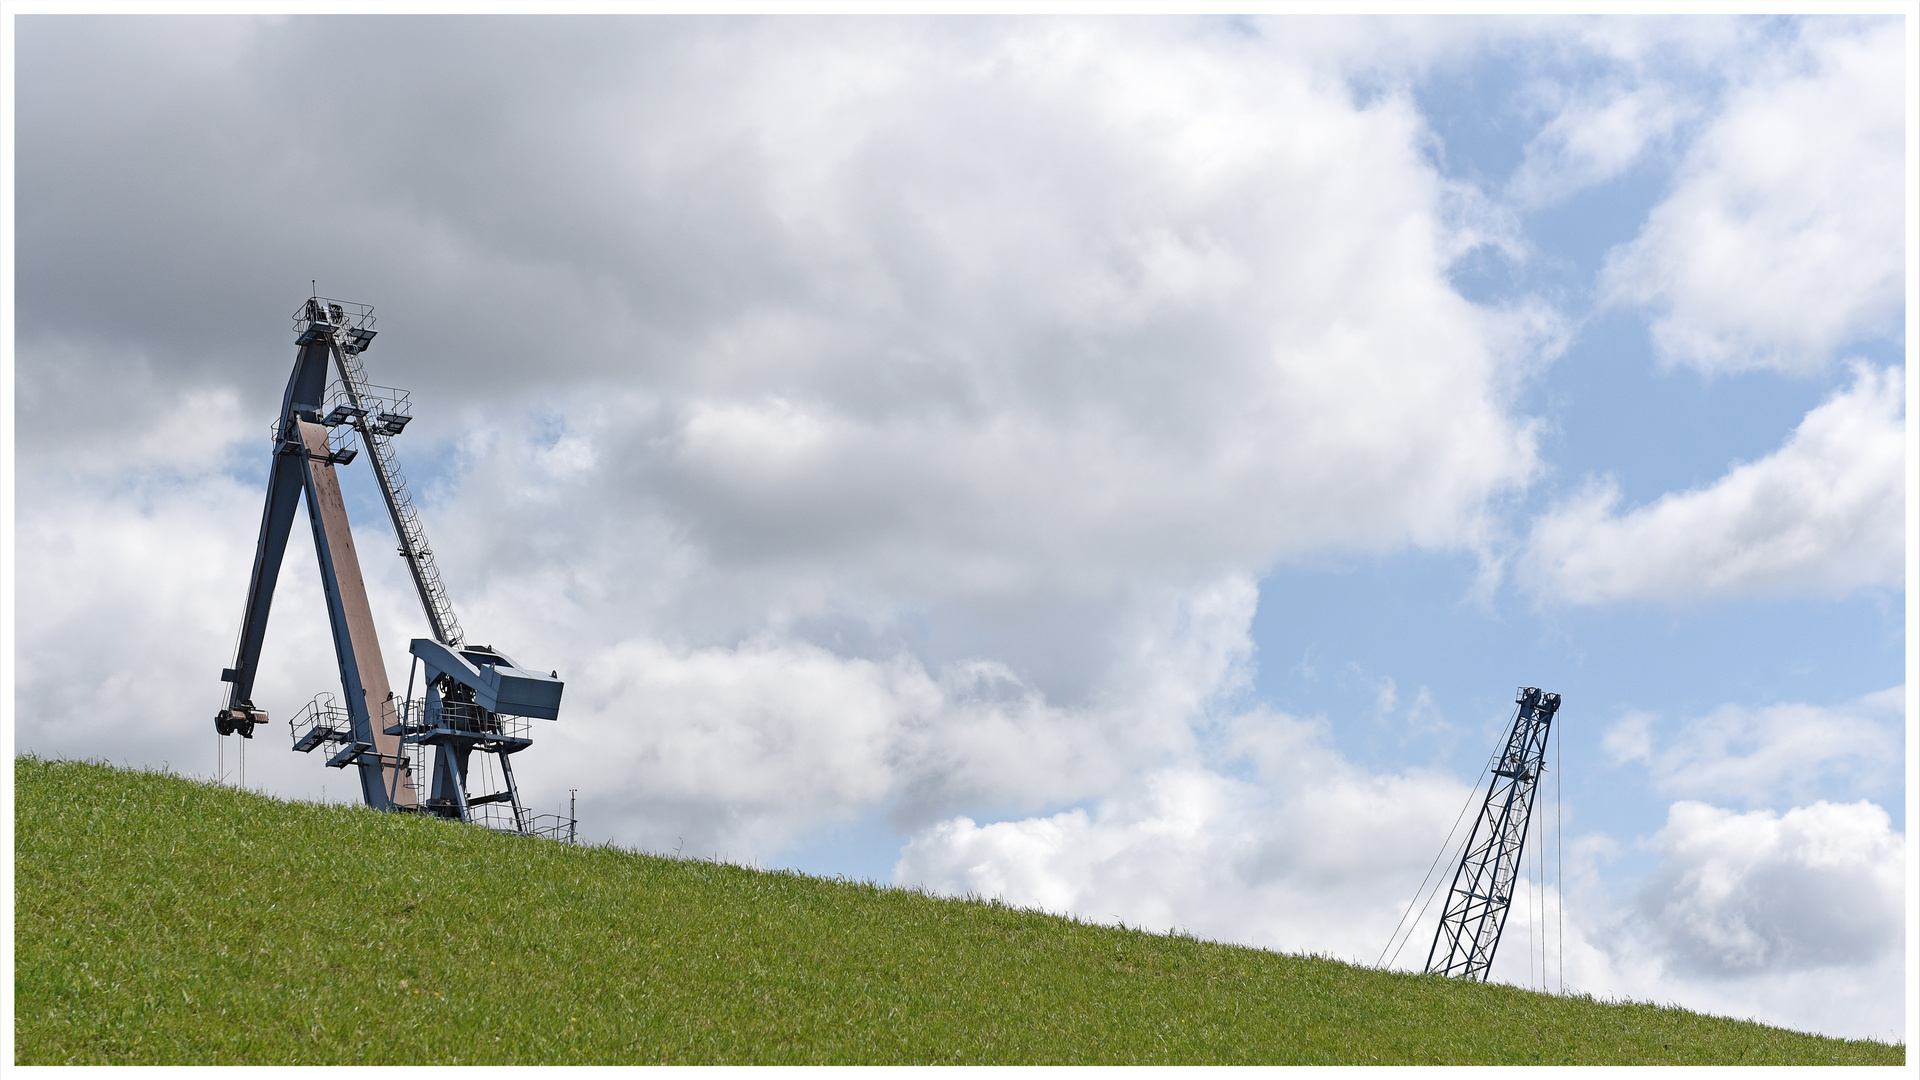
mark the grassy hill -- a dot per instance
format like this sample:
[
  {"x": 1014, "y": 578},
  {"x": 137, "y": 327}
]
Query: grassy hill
[{"x": 160, "y": 920}]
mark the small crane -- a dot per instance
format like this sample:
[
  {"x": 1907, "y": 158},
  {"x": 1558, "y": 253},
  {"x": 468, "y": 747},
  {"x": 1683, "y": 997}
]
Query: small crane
[
  {"x": 476, "y": 699},
  {"x": 1476, "y": 910}
]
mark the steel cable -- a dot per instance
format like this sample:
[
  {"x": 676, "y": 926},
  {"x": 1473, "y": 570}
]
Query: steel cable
[{"x": 1445, "y": 846}]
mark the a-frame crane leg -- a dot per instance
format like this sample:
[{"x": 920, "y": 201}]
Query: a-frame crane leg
[
  {"x": 306, "y": 388},
  {"x": 284, "y": 485},
  {"x": 385, "y": 773}
]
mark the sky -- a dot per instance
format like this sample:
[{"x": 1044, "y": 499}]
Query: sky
[{"x": 1120, "y": 465}]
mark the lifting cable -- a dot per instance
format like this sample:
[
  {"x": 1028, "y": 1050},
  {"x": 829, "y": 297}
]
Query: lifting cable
[
  {"x": 1445, "y": 846},
  {"x": 1540, "y": 888},
  {"x": 1535, "y": 908},
  {"x": 1533, "y": 898}
]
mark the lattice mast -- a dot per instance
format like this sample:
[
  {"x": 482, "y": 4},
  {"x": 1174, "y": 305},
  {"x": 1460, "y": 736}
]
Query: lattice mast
[{"x": 1476, "y": 909}]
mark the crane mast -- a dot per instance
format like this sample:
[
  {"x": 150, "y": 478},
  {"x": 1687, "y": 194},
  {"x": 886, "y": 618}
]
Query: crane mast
[
  {"x": 1476, "y": 909},
  {"x": 475, "y": 698}
]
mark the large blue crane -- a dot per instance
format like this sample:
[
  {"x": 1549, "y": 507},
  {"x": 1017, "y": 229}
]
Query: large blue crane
[{"x": 475, "y": 698}]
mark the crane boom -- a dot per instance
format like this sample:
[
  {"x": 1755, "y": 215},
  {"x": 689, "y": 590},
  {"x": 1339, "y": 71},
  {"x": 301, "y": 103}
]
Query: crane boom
[{"x": 1476, "y": 910}]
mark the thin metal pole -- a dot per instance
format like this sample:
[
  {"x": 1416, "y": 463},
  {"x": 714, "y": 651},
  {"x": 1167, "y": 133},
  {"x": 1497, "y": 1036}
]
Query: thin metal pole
[
  {"x": 406, "y": 707},
  {"x": 401, "y": 765},
  {"x": 1540, "y": 860},
  {"x": 1534, "y": 911},
  {"x": 513, "y": 795},
  {"x": 1559, "y": 864}
]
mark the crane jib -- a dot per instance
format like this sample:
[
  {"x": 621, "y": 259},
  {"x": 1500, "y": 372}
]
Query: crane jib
[{"x": 1476, "y": 909}]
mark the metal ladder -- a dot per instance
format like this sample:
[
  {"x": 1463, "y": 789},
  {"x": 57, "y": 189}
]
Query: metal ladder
[{"x": 406, "y": 520}]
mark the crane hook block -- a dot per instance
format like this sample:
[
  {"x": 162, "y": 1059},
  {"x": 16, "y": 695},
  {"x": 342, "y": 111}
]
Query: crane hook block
[{"x": 239, "y": 720}]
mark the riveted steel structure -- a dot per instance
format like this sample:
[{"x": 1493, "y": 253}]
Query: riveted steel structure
[
  {"x": 476, "y": 699},
  {"x": 1476, "y": 909}
]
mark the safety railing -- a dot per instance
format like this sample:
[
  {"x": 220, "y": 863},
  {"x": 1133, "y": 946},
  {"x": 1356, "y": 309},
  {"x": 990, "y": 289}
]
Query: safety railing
[
  {"x": 425, "y": 717},
  {"x": 554, "y": 827},
  {"x": 322, "y": 721},
  {"x": 378, "y": 413}
]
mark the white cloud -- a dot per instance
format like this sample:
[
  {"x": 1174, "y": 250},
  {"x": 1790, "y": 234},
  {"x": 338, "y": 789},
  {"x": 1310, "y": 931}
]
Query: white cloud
[
  {"x": 745, "y": 748},
  {"x": 1781, "y": 240},
  {"x": 1304, "y": 853},
  {"x": 1824, "y": 513},
  {"x": 967, "y": 374},
  {"x": 1791, "y": 919},
  {"x": 129, "y": 609},
  {"x": 1818, "y": 886},
  {"x": 1595, "y": 139},
  {"x": 1785, "y": 752}
]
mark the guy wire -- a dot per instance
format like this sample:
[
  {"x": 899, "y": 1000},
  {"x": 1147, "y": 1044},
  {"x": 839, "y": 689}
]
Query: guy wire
[{"x": 1444, "y": 846}]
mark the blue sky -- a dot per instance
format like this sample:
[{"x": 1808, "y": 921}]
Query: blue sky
[{"x": 1125, "y": 466}]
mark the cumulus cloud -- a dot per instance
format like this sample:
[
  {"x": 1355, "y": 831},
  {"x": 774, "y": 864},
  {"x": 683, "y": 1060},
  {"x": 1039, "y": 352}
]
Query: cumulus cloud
[
  {"x": 126, "y": 552},
  {"x": 1781, "y": 239},
  {"x": 1779, "y": 753},
  {"x": 1298, "y": 850},
  {"x": 744, "y": 748},
  {"x": 1792, "y": 919},
  {"x": 931, "y": 390},
  {"x": 1818, "y": 886},
  {"x": 1825, "y": 513}
]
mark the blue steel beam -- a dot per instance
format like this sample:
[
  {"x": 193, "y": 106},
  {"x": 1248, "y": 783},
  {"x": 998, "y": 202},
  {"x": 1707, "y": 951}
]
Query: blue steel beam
[{"x": 306, "y": 390}]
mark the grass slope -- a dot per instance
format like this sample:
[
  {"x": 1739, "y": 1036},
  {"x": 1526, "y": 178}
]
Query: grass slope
[{"x": 161, "y": 920}]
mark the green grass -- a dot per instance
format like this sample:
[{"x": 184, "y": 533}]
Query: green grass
[{"x": 161, "y": 920}]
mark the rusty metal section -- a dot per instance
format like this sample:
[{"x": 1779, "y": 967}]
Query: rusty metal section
[{"x": 384, "y": 771}]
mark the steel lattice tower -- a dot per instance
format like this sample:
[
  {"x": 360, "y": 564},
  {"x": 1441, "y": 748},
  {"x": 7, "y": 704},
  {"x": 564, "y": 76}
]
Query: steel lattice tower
[{"x": 1476, "y": 908}]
